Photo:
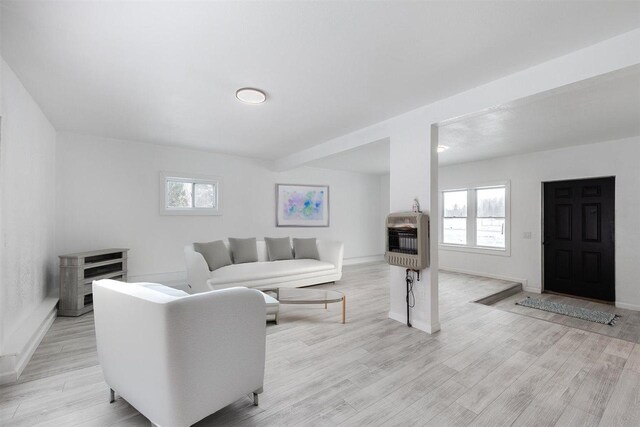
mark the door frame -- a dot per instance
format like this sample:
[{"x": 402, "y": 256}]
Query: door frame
[{"x": 542, "y": 183}]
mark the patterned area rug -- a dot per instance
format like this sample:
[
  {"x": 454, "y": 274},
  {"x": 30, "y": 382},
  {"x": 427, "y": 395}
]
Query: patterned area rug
[{"x": 570, "y": 310}]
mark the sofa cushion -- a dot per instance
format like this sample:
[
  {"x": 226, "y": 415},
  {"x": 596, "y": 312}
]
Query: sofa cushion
[
  {"x": 240, "y": 273},
  {"x": 278, "y": 249},
  {"x": 215, "y": 253},
  {"x": 243, "y": 250},
  {"x": 305, "y": 249}
]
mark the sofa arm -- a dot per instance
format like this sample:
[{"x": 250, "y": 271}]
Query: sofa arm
[
  {"x": 197, "y": 270},
  {"x": 217, "y": 349},
  {"x": 130, "y": 325},
  {"x": 332, "y": 252}
]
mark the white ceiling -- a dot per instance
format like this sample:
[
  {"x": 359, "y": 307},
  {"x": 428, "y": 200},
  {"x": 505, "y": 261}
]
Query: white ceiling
[
  {"x": 600, "y": 109},
  {"x": 166, "y": 72},
  {"x": 370, "y": 158}
]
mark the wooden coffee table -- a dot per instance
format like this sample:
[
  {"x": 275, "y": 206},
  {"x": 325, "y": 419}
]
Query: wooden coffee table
[{"x": 310, "y": 296}]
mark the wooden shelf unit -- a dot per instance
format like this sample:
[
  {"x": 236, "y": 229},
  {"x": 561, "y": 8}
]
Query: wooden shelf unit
[{"x": 77, "y": 273}]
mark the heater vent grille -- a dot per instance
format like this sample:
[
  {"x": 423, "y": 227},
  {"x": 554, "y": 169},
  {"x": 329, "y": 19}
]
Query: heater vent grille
[{"x": 407, "y": 240}]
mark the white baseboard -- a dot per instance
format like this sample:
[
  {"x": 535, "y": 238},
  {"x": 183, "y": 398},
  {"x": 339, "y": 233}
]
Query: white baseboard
[
  {"x": 494, "y": 276},
  {"x": 363, "y": 260},
  {"x": 423, "y": 326},
  {"x": 172, "y": 278},
  {"x": 23, "y": 343},
  {"x": 627, "y": 306}
]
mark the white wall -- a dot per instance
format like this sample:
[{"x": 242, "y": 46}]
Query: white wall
[
  {"x": 526, "y": 173},
  {"x": 27, "y": 189},
  {"x": 108, "y": 196}
]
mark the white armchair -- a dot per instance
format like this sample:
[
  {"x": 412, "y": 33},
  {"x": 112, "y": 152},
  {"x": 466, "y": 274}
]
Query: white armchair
[{"x": 178, "y": 359}]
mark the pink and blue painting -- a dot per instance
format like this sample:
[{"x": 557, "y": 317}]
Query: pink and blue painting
[{"x": 302, "y": 205}]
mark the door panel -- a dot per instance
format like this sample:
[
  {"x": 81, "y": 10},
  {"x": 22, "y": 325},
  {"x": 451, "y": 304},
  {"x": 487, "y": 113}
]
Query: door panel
[{"x": 579, "y": 254}]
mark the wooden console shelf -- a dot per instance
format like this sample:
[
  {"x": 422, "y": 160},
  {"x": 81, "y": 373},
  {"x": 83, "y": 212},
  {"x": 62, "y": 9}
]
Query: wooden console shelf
[{"x": 78, "y": 271}]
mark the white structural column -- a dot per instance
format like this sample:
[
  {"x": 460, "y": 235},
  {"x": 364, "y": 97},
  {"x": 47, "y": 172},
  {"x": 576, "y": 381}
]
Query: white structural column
[{"x": 411, "y": 177}]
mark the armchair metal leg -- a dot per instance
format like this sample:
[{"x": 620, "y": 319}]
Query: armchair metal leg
[
  {"x": 255, "y": 396},
  {"x": 112, "y": 396}
]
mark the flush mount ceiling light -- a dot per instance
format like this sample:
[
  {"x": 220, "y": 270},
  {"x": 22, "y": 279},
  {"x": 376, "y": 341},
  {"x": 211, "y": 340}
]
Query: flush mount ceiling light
[
  {"x": 249, "y": 95},
  {"x": 442, "y": 148}
]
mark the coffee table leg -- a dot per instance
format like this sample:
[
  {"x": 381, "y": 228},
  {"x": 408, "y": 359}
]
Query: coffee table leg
[
  {"x": 325, "y": 305},
  {"x": 344, "y": 308}
]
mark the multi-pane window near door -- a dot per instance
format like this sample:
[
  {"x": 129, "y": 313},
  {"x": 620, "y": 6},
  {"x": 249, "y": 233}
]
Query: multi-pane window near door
[
  {"x": 475, "y": 217},
  {"x": 490, "y": 217},
  {"x": 454, "y": 221}
]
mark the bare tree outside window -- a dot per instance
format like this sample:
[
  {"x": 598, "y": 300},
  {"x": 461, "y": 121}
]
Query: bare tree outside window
[{"x": 183, "y": 195}]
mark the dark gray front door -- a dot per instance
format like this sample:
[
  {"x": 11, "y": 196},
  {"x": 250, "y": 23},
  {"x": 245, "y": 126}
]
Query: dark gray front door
[{"x": 579, "y": 238}]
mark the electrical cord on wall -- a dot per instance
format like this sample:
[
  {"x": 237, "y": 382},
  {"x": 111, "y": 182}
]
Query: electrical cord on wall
[{"x": 411, "y": 299}]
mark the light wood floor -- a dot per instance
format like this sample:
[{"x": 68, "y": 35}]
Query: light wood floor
[{"x": 487, "y": 366}]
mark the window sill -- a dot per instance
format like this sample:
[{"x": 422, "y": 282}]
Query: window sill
[
  {"x": 196, "y": 211},
  {"x": 475, "y": 249}
]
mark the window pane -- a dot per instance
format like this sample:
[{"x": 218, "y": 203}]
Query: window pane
[
  {"x": 490, "y": 232},
  {"x": 179, "y": 194},
  {"x": 454, "y": 231},
  {"x": 205, "y": 196},
  {"x": 491, "y": 202},
  {"x": 455, "y": 204}
]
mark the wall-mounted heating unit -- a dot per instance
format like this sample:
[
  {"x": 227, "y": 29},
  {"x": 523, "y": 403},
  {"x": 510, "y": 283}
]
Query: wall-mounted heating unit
[{"x": 408, "y": 240}]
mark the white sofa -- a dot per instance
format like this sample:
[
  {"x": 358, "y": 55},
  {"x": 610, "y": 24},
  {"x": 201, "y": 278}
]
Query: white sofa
[
  {"x": 178, "y": 358},
  {"x": 267, "y": 274}
]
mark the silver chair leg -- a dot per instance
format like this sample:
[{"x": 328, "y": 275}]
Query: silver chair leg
[
  {"x": 255, "y": 395},
  {"x": 112, "y": 396}
]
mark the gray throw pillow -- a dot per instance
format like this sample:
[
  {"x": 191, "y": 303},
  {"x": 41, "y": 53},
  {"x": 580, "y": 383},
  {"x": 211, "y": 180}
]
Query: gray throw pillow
[
  {"x": 215, "y": 253},
  {"x": 243, "y": 250},
  {"x": 305, "y": 249},
  {"x": 278, "y": 248}
]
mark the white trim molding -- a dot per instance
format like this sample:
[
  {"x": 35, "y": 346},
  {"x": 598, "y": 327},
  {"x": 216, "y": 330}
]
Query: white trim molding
[
  {"x": 523, "y": 282},
  {"x": 363, "y": 260},
  {"x": 423, "y": 326},
  {"x": 23, "y": 342},
  {"x": 626, "y": 306}
]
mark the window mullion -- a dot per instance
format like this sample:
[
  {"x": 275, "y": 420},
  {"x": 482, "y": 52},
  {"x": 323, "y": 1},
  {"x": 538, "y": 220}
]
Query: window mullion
[{"x": 471, "y": 217}]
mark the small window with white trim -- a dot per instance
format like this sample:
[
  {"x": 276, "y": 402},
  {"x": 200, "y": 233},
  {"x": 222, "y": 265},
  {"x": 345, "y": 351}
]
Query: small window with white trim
[
  {"x": 476, "y": 219},
  {"x": 186, "y": 194}
]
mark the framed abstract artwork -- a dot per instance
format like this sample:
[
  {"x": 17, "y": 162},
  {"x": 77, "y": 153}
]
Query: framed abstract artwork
[{"x": 302, "y": 205}]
